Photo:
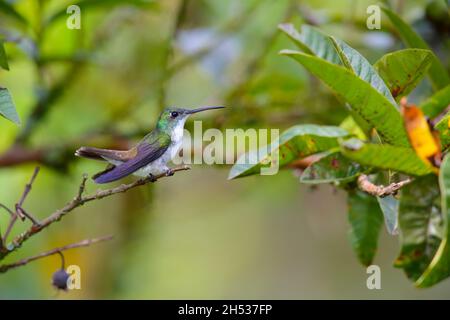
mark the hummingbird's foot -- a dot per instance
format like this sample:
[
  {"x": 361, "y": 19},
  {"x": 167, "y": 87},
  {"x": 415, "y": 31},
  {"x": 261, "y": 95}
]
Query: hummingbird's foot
[
  {"x": 151, "y": 177},
  {"x": 170, "y": 172}
]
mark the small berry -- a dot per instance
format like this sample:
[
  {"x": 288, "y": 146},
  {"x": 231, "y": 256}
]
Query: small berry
[{"x": 59, "y": 279}]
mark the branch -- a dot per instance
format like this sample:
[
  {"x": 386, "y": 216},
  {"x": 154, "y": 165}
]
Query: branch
[
  {"x": 17, "y": 154},
  {"x": 46, "y": 101},
  {"x": 168, "y": 52},
  {"x": 60, "y": 156},
  {"x": 229, "y": 27},
  {"x": 27, "y": 191},
  {"x": 7, "y": 209},
  {"x": 235, "y": 95},
  {"x": 76, "y": 202},
  {"x": 380, "y": 191},
  {"x": 19, "y": 211},
  {"x": 85, "y": 243}
]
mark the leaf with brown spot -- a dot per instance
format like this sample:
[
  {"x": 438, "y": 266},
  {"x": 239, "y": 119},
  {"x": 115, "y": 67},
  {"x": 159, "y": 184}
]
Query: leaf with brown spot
[
  {"x": 396, "y": 70},
  {"x": 293, "y": 144},
  {"x": 331, "y": 168},
  {"x": 425, "y": 143}
]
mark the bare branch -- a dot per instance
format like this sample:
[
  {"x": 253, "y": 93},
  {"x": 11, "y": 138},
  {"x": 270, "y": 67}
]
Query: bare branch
[
  {"x": 28, "y": 186},
  {"x": 229, "y": 27},
  {"x": 19, "y": 211},
  {"x": 82, "y": 187},
  {"x": 59, "y": 156},
  {"x": 46, "y": 101},
  {"x": 378, "y": 190},
  {"x": 4, "y": 268},
  {"x": 9, "y": 228},
  {"x": 76, "y": 202},
  {"x": 7, "y": 209},
  {"x": 25, "y": 214}
]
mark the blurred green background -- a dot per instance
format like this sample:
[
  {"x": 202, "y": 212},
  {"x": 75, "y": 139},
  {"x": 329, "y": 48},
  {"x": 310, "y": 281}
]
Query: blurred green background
[{"x": 195, "y": 235}]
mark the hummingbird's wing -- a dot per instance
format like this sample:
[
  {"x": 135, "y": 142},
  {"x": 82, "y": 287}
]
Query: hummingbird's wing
[
  {"x": 108, "y": 168},
  {"x": 151, "y": 148}
]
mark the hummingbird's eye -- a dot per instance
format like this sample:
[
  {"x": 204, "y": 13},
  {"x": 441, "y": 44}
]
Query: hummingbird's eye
[{"x": 174, "y": 114}]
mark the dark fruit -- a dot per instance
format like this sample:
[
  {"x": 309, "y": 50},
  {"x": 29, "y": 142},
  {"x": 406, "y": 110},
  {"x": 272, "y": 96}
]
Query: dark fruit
[{"x": 59, "y": 279}]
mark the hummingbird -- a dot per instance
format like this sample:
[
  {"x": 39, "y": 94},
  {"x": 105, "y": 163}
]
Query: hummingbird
[{"x": 151, "y": 155}]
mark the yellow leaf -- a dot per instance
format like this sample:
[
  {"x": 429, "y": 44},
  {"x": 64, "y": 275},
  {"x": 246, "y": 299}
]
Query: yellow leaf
[{"x": 423, "y": 140}]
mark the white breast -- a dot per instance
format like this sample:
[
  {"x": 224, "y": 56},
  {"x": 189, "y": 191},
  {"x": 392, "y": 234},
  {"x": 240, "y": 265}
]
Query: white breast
[
  {"x": 160, "y": 165},
  {"x": 177, "y": 133}
]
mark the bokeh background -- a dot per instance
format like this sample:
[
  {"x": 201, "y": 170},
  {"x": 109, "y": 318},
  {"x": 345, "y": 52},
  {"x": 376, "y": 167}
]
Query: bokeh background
[{"x": 195, "y": 235}]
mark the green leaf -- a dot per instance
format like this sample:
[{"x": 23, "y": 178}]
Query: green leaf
[
  {"x": 439, "y": 268},
  {"x": 437, "y": 103},
  {"x": 443, "y": 126},
  {"x": 312, "y": 41},
  {"x": 3, "y": 58},
  {"x": 350, "y": 124},
  {"x": 7, "y": 108},
  {"x": 366, "y": 219},
  {"x": 389, "y": 206},
  {"x": 370, "y": 104},
  {"x": 386, "y": 157},
  {"x": 359, "y": 65},
  {"x": 403, "y": 70},
  {"x": 419, "y": 221},
  {"x": 9, "y": 10},
  {"x": 437, "y": 72},
  {"x": 315, "y": 42},
  {"x": 87, "y": 4},
  {"x": 295, "y": 143},
  {"x": 354, "y": 61},
  {"x": 331, "y": 168}
]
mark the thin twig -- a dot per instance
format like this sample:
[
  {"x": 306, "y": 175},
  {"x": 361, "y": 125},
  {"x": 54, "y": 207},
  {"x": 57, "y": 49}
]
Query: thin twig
[
  {"x": 366, "y": 185},
  {"x": 9, "y": 228},
  {"x": 168, "y": 52},
  {"x": 4, "y": 268},
  {"x": 46, "y": 101},
  {"x": 19, "y": 211},
  {"x": 25, "y": 214},
  {"x": 28, "y": 186},
  {"x": 76, "y": 202},
  {"x": 228, "y": 28},
  {"x": 233, "y": 96},
  {"x": 19, "y": 206},
  {"x": 7, "y": 209},
  {"x": 82, "y": 187}
]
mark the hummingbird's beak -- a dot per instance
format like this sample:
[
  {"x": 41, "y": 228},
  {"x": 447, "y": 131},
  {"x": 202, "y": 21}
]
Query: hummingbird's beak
[{"x": 202, "y": 109}]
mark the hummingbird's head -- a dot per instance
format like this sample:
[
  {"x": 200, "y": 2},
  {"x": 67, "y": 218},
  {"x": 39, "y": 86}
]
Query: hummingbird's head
[{"x": 173, "y": 117}]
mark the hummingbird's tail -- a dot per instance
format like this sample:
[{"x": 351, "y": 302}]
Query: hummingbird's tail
[
  {"x": 105, "y": 154},
  {"x": 89, "y": 153}
]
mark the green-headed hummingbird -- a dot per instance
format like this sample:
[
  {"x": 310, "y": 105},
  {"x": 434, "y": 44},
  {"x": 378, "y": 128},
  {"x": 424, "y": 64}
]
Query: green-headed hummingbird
[{"x": 151, "y": 155}]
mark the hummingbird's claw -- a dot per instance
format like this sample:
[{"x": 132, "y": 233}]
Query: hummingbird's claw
[
  {"x": 170, "y": 172},
  {"x": 151, "y": 177}
]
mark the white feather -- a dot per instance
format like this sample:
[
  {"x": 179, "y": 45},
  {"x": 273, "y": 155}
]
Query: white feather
[{"x": 160, "y": 165}]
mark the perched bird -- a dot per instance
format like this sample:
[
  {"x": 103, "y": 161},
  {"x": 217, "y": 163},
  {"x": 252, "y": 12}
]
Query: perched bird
[{"x": 151, "y": 155}]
